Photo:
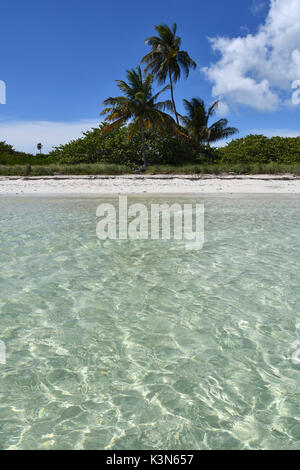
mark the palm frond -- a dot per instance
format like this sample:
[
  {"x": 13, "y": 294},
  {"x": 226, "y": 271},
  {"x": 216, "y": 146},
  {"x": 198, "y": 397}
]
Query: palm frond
[
  {"x": 212, "y": 109},
  {"x": 165, "y": 56},
  {"x": 138, "y": 105},
  {"x": 114, "y": 125},
  {"x": 196, "y": 122}
]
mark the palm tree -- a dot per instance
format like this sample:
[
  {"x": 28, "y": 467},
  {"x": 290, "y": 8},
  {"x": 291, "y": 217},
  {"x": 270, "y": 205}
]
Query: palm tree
[
  {"x": 39, "y": 147},
  {"x": 166, "y": 59},
  {"x": 196, "y": 126},
  {"x": 138, "y": 105}
]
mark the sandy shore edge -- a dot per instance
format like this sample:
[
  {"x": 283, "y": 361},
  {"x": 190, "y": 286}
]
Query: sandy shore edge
[{"x": 148, "y": 184}]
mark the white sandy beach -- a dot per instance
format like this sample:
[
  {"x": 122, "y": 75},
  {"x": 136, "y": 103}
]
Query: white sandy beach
[{"x": 146, "y": 184}]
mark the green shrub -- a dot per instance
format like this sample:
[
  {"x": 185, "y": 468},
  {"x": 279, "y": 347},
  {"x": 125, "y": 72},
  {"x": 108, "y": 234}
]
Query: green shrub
[
  {"x": 247, "y": 154},
  {"x": 6, "y": 148},
  {"x": 261, "y": 149},
  {"x": 114, "y": 147},
  {"x": 10, "y": 156},
  {"x": 25, "y": 159}
]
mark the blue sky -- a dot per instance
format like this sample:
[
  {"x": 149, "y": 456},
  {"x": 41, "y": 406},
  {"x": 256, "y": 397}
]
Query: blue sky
[{"x": 59, "y": 60}]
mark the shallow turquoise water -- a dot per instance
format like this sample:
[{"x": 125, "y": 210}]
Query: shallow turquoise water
[{"x": 144, "y": 345}]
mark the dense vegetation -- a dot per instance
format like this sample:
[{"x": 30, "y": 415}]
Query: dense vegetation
[
  {"x": 261, "y": 149},
  {"x": 10, "y": 156},
  {"x": 138, "y": 105},
  {"x": 115, "y": 147},
  {"x": 111, "y": 153}
]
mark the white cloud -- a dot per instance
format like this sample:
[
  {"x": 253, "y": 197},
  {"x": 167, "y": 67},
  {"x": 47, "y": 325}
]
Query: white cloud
[
  {"x": 258, "y": 69},
  {"x": 222, "y": 109},
  {"x": 24, "y": 135}
]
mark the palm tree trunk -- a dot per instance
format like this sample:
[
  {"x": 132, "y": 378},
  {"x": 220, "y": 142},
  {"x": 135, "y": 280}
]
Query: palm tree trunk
[
  {"x": 143, "y": 144},
  {"x": 172, "y": 97}
]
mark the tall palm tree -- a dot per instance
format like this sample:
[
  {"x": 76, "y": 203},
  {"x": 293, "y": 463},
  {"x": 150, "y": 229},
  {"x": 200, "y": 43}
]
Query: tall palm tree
[
  {"x": 196, "y": 125},
  {"x": 138, "y": 106},
  {"x": 39, "y": 147},
  {"x": 166, "y": 59}
]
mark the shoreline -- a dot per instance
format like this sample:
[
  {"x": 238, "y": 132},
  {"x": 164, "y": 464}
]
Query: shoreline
[{"x": 64, "y": 185}]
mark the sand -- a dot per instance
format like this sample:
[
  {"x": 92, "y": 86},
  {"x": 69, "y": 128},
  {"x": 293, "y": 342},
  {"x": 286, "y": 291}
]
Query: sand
[{"x": 146, "y": 184}]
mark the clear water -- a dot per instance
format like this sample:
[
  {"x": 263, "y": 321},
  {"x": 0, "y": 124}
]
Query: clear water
[{"x": 144, "y": 345}]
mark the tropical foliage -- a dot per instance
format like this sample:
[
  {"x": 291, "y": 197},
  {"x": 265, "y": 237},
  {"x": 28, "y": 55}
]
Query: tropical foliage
[
  {"x": 261, "y": 149},
  {"x": 162, "y": 148},
  {"x": 10, "y": 156},
  {"x": 138, "y": 106},
  {"x": 6, "y": 148},
  {"x": 112, "y": 153},
  {"x": 196, "y": 123},
  {"x": 166, "y": 60},
  {"x": 115, "y": 147}
]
